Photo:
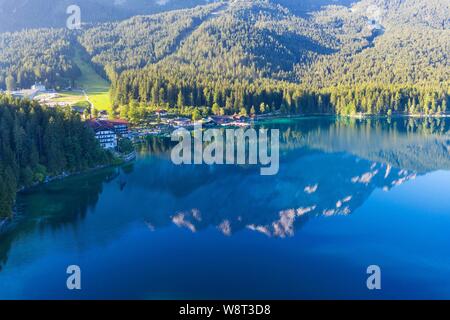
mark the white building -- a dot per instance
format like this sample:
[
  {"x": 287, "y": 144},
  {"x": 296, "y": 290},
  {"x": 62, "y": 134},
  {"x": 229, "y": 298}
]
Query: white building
[
  {"x": 104, "y": 132},
  {"x": 107, "y": 138}
]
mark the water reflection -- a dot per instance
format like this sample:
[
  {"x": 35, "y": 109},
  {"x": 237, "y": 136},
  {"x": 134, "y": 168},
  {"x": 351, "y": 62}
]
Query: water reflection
[
  {"x": 328, "y": 167},
  {"x": 61, "y": 204}
]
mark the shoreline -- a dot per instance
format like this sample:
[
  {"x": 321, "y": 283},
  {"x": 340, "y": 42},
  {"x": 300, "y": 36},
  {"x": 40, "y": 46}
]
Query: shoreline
[
  {"x": 355, "y": 116},
  {"x": 62, "y": 177},
  {"x": 123, "y": 160},
  {"x": 273, "y": 117},
  {"x": 5, "y": 221}
]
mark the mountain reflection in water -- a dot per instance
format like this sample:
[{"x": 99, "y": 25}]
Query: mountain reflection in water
[{"x": 328, "y": 167}]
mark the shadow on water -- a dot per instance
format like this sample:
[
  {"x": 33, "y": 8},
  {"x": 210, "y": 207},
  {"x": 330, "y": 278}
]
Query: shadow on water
[
  {"x": 60, "y": 204},
  {"x": 329, "y": 166}
]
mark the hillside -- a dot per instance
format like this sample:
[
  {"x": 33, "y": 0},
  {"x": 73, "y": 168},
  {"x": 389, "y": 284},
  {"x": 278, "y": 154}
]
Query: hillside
[
  {"x": 430, "y": 13},
  {"x": 246, "y": 39},
  {"x": 21, "y": 14},
  {"x": 411, "y": 47},
  {"x": 374, "y": 56},
  {"x": 338, "y": 59},
  {"x": 142, "y": 40},
  {"x": 373, "y": 40},
  {"x": 36, "y": 55}
]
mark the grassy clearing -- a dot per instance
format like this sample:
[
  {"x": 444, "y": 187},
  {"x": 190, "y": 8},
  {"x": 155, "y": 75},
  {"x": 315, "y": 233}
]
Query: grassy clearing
[
  {"x": 71, "y": 97},
  {"x": 63, "y": 98},
  {"x": 83, "y": 104},
  {"x": 95, "y": 86}
]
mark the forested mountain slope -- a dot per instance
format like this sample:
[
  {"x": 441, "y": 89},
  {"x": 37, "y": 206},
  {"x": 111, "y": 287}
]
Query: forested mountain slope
[
  {"x": 20, "y": 14},
  {"x": 372, "y": 41},
  {"x": 412, "y": 46},
  {"x": 376, "y": 56},
  {"x": 430, "y": 13},
  {"x": 142, "y": 40},
  {"x": 36, "y": 55},
  {"x": 246, "y": 39},
  {"x": 344, "y": 60}
]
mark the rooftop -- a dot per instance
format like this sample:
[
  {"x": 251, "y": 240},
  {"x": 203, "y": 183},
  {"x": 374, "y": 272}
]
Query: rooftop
[{"x": 100, "y": 124}]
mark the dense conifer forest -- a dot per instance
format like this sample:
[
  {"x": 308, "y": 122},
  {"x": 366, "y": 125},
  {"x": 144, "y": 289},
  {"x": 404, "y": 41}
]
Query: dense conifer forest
[
  {"x": 38, "y": 142},
  {"x": 38, "y": 55},
  {"x": 375, "y": 57},
  {"x": 258, "y": 57}
]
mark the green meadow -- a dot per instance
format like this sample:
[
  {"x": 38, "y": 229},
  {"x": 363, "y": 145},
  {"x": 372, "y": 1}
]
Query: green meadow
[{"x": 96, "y": 88}]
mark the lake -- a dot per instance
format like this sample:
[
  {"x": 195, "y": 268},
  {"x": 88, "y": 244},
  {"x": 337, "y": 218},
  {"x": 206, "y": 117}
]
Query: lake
[{"x": 349, "y": 194}]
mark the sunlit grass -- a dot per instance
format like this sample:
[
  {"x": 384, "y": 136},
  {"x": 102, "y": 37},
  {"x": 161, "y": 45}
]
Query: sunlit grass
[
  {"x": 71, "y": 97},
  {"x": 95, "y": 86}
]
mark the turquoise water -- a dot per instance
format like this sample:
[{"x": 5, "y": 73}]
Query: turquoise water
[{"x": 349, "y": 194}]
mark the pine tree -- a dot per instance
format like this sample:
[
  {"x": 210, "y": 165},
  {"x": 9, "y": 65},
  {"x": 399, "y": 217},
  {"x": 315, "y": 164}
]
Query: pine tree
[{"x": 180, "y": 100}]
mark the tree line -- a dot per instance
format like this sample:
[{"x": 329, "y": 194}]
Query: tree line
[{"x": 137, "y": 92}]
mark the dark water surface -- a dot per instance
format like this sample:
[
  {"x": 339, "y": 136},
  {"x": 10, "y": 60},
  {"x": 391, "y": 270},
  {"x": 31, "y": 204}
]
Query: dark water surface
[{"x": 349, "y": 194}]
